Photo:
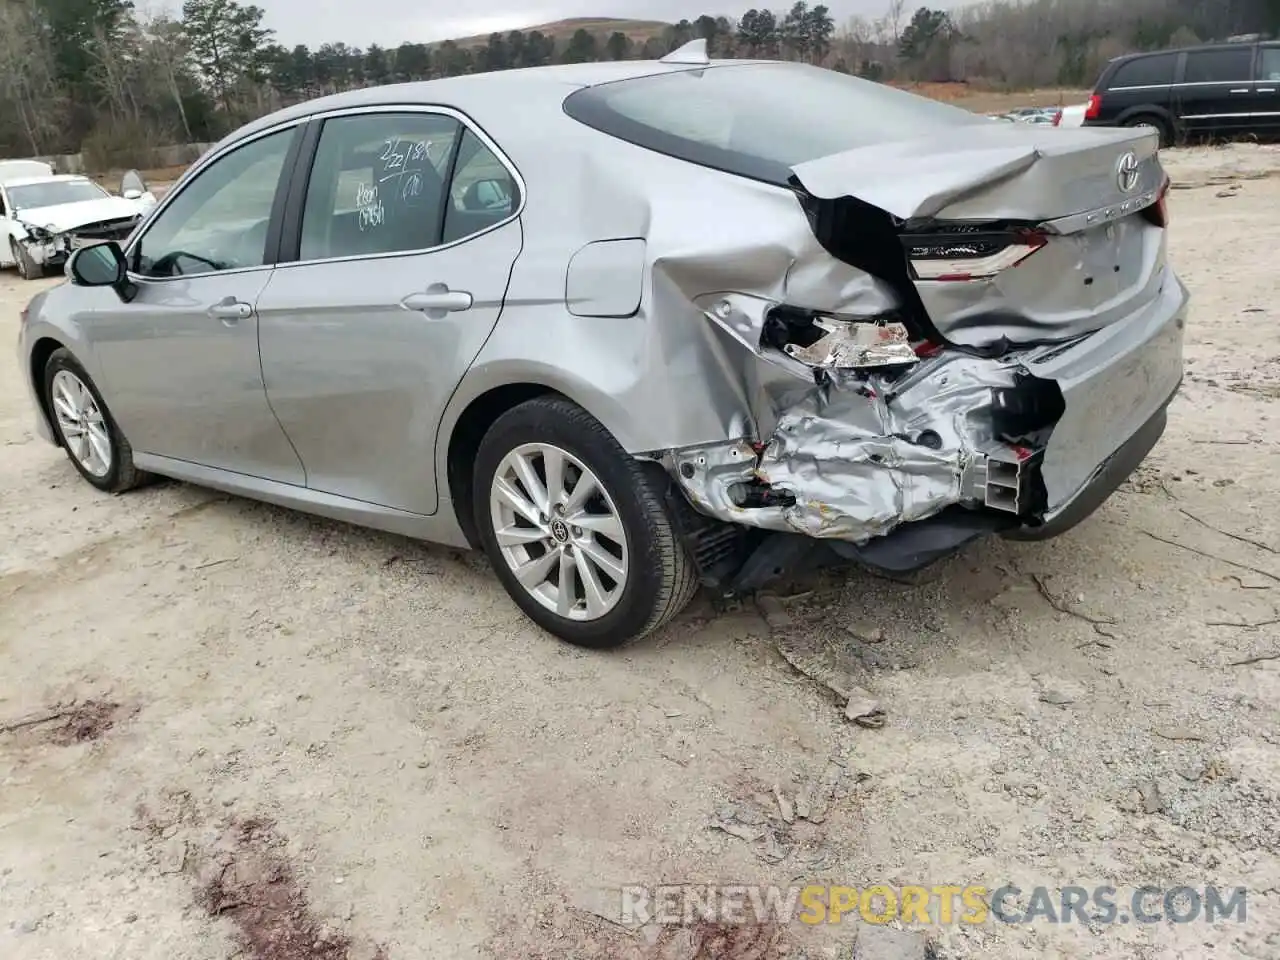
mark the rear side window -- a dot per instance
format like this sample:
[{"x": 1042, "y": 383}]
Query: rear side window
[
  {"x": 1145, "y": 72},
  {"x": 759, "y": 120},
  {"x": 1269, "y": 64},
  {"x": 1229, "y": 65},
  {"x": 378, "y": 185}
]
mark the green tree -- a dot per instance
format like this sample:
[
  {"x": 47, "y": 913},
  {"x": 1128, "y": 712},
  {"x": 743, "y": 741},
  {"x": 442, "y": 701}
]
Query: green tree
[
  {"x": 618, "y": 46},
  {"x": 581, "y": 48},
  {"x": 794, "y": 31},
  {"x": 225, "y": 40},
  {"x": 758, "y": 33},
  {"x": 495, "y": 55},
  {"x": 539, "y": 49},
  {"x": 516, "y": 44},
  {"x": 819, "y": 26},
  {"x": 73, "y": 28},
  {"x": 412, "y": 62},
  {"x": 377, "y": 65}
]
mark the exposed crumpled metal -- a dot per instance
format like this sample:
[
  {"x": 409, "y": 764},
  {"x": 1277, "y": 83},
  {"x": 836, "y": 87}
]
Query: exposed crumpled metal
[
  {"x": 856, "y": 345},
  {"x": 860, "y": 454}
]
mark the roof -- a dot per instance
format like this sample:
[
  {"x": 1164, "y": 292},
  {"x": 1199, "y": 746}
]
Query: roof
[
  {"x": 57, "y": 178},
  {"x": 478, "y": 90}
]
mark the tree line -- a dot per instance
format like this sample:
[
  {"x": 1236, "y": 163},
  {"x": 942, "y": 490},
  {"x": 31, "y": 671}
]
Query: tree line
[{"x": 99, "y": 76}]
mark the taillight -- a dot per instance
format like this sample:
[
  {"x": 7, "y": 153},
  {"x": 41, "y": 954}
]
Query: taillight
[
  {"x": 1092, "y": 111},
  {"x": 979, "y": 255},
  {"x": 1158, "y": 212}
]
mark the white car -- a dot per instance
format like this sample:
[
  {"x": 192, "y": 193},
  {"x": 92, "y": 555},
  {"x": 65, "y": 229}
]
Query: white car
[
  {"x": 43, "y": 216},
  {"x": 1072, "y": 116}
]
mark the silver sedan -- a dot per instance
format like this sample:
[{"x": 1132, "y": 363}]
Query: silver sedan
[{"x": 634, "y": 327}]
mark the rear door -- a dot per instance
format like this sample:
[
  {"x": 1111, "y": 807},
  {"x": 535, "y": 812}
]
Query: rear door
[
  {"x": 1266, "y": 100},
  {"x": 402, "y": 241},
  {"x": 1216, "y": 91}
]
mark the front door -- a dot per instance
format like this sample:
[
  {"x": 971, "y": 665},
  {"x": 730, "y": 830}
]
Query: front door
[
  {"x": 1216, "y": 93},
  {"x": 400, "y": 271},
  {"x": 180, "y": 359}
]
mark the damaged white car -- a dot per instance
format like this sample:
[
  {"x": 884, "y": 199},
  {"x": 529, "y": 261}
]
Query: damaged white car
[
  {"x": 43, "y": 216},
  {"x": 631, "y": 327}
]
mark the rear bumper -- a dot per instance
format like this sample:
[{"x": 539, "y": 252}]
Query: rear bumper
[{"x": 1087, "y": 411}]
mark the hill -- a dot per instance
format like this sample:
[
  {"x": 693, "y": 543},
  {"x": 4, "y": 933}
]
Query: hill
[{"x": 561, "y": 30}]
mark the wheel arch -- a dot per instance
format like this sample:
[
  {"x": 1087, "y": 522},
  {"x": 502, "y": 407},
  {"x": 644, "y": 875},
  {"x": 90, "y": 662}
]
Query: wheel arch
[
  {"x": 41, "y": 351},
  {"x": 478, "y": 412}
]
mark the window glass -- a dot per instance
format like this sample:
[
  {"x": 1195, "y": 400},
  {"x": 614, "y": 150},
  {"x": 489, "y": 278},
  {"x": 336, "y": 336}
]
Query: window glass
[
  {"x": 1228, "y": 65},
  {"x": 759, "y": 120},
  {"x": 482, "y": 193},
  {"x": 219, "y": 220},
  {"x": 33, "y": 195},
  {"x": 1145, "y": 71},
  {"x": 377, "y": 185},
  {"x": 1269, "y": 65}
]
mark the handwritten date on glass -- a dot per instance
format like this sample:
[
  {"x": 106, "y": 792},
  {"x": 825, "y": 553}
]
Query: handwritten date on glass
[
  {"x": 369, "y": 209},
  {"x": 400, "y": 156}
]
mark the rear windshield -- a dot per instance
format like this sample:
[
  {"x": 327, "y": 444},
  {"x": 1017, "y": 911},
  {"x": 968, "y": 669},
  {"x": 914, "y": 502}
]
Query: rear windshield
[{"x": 759, "y": 120}]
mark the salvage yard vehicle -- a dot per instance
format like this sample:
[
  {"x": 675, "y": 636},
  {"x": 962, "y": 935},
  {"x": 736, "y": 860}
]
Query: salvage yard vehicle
[
  {"x": 44, "y": 216},
  {"x": 634, "y": 326}
]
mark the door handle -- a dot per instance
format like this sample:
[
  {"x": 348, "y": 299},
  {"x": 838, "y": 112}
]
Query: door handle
[
  {"x": 438, "y": 301},
  {"x": 231, "y": 309},
  {"x": 1266, "y": 89},
  {"x": 1239, "y": 90}
]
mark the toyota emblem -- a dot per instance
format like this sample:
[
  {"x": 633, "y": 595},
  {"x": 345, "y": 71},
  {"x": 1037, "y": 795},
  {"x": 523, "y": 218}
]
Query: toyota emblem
[{"x": 1127, "y": 172}]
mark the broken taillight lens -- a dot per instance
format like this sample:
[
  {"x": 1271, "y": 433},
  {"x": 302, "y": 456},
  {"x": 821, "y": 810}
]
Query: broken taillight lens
[
  {"x": 1094, "y": 108},
  {"x": 975, "y": 256},
  {"x": 1158, "y": 212}
]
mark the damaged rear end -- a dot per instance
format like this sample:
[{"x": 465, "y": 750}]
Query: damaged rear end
[{"x": 1012, "y": 369}]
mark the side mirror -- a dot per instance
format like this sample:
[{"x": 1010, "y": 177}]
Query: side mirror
[
  {"x": 132, "y": 186},
  {"x": 486, "y": 195},
  {"x": 101, "y": 265}
]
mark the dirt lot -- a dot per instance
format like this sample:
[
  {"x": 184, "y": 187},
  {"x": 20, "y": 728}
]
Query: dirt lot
[{"x": 230, "y": 730}]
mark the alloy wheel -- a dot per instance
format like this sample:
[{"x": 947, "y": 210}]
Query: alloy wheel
[
  {"x": 81, "y": 423},
  {"x": 559, "y": 531}
]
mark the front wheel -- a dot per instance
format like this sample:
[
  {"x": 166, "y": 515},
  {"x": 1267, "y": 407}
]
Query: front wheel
[
  {"x": 85, "y": 427},
  {"x": 28, "y": 269},
  {"x": 575, "y": 528}
]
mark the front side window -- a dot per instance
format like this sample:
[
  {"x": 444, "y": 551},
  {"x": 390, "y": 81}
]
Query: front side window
[
  {"x": 1152, "y": 71},
  {"x": 1228, "y": 65},
  {"x": 378, "y": 185},
  {"x": 219, "y": 220},
  {"x": 33, "y": 195},
  {"x": 759, "y": 120}
]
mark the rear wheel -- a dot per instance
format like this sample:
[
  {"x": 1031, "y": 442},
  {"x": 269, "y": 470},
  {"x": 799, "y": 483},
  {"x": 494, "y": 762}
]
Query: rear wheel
[
  {"x": 575, "y": 528},
  {"x": 85, "y": 427},
  {"x": 1152, "y": 122}
]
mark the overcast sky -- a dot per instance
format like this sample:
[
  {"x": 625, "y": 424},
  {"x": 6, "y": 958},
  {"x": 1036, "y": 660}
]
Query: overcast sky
[{"x": 392, "y": 22}]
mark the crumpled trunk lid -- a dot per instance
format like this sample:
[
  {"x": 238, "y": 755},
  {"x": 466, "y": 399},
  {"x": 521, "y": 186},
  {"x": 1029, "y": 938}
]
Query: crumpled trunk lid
[{"x": 1012, "y": 234}]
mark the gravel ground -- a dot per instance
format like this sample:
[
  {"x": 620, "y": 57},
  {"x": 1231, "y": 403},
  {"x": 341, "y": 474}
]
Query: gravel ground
[{"x": 252, "y": 733}]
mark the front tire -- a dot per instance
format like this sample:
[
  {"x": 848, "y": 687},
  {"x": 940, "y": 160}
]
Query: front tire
[
  {"x": 85, "y": 428},
  {"x": 576, "y": 528},
  {"x": 28, "y": 269}
]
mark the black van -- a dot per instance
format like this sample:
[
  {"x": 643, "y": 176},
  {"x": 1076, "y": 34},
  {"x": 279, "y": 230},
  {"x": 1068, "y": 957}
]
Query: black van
[{"x": 1217, "y": 90}]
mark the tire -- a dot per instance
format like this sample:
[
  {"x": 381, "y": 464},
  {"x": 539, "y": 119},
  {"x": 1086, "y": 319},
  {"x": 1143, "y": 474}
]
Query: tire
[
  {"x": 68, "y": 409},
  {"x": 629, "y": 531},
  {"x": 1158, "y": 124},
  {"x": 28, "y": 269}
]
